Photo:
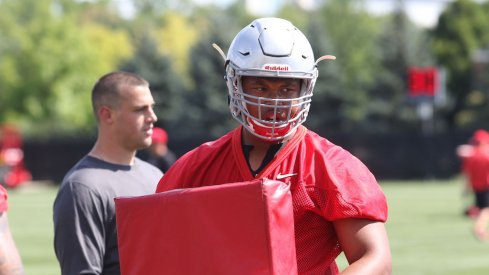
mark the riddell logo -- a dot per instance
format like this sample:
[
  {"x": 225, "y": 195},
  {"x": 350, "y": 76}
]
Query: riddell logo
[{"x": 274, "y": 67}]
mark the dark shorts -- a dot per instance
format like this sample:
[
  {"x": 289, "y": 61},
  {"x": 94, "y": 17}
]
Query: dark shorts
[{"x": 482, "y": 199}]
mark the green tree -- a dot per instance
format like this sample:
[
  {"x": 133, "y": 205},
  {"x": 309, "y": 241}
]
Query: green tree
[
  {"x": 352, "y": 34},
  {"x": 166, "y": 86},
  {"x": 401, "y": 45},
  {"x": 208, "y": 110},
  {"x": 327, "y": 103},
  {"x": 175, "y": 38},
  {"x": 325, "y": 111},
  {"x": 461, "y": 30},
  {"x": 49, "y": 64}
]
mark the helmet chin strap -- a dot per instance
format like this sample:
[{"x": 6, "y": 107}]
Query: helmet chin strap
[{"x": 270, "y": 134}]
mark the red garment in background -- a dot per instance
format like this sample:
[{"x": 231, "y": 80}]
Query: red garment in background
[
  {"x": 10, "y": 137},
  {"x": 476, "y": 167},
  {"x": 240, "y": 228},
  {"x": 12, "y": 158},
  {"x": 327, "y": 184},
  {"x": 16, "y": 176},
  {"x": 3, "y": 199}
]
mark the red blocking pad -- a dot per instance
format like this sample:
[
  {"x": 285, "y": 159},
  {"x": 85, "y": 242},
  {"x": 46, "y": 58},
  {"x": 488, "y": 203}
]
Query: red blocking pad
[{"x": 237, "y": 228}]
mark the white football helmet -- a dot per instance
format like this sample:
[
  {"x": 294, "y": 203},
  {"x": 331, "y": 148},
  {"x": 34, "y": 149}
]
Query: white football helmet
[{"x": 270, "y": 47}]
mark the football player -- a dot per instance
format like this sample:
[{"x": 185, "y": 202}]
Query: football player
[
  {"x": 338, "y": 205},
  {"x": 475, "y": 167}
]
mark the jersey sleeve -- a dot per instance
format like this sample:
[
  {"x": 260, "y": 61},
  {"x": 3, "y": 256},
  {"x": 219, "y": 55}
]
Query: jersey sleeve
[
  {"x": 352, "y": 191},
  {"x": 3, "y": 199},
  {"x": 79, "y": 236}
]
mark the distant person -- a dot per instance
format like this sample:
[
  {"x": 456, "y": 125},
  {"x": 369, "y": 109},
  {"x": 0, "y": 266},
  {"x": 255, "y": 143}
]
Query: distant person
[
  {"x": 10, "y": 262},
  {"x": 12, "y": 170},
  {"x": 475, "y": 166},
  {"x": 85, "y": 239},
  {"x": 270, "y": 72},
  {"x": 158, "y": 153}
]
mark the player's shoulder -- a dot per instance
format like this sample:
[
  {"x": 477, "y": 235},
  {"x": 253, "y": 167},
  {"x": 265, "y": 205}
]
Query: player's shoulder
[
  {"x": 208, "y": 149},
  {"x": 315, "y": 137},
  {"x": 328, "y": 150},
  {"x": 223, "y": 141},
  {"x": 316, "y": 142},
  {"x": 191, "y": 163}
]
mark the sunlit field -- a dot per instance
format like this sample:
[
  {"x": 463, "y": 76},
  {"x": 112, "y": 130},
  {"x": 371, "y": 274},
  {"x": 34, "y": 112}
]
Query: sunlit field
[
  {"x": 30, "y": 216},
  {"x": 428, "y": 233}
]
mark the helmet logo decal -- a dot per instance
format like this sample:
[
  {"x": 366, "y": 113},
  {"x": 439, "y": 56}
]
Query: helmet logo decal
[{"x": 276, "y": 67}]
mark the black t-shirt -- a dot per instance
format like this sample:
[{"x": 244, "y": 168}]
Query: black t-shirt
[{"x": 85, "y": 239}]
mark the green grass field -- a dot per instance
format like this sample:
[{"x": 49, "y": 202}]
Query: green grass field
[{"x": 428, "y": 233}]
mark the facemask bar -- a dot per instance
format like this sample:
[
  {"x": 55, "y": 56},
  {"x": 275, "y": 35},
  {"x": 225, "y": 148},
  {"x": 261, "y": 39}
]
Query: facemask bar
[
  {"x": 269, "y": 129},
  {"x": 280, "y": 108}
]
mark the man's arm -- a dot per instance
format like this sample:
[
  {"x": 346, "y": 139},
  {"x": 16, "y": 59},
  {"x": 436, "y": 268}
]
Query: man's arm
[
  {"x": 10, "y": 262},
  {"x": 366, "y": 246},
  {"x": 78, "y": 231}
]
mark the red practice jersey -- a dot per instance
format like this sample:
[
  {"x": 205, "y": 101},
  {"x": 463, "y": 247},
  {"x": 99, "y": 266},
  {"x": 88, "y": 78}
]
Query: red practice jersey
[
  {"x": 327, "y": 183},
  {"x": 3, "y": 199},
  {"x": 476, "y": 167}
]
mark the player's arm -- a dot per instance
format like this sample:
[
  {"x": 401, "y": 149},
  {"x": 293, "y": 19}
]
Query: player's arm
[
  {"x": 78, "y": 231},
  {"x": 366, "y": 246},
  {"x": 10, "y": 262}
]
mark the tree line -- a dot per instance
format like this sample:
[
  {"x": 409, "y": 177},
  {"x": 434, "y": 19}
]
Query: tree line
[{"x": 52, "y": 52}]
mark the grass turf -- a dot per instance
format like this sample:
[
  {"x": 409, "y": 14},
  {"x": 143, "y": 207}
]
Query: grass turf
[
  {"x": 30, "y": 217},
  {"x": 427, "y": 231}
]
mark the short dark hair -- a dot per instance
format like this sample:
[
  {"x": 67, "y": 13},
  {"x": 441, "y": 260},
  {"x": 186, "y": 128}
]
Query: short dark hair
[{"x": 106, "y": 91}]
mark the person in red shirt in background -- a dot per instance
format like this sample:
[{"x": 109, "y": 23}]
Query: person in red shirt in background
[
  {"x": 338, "y": 205},
  {"x": 10, "y": 262},
  {"x": 158, "y": 152},
  {"x": 12, "y": 170},
  {"x": 475, "y": 166}
]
